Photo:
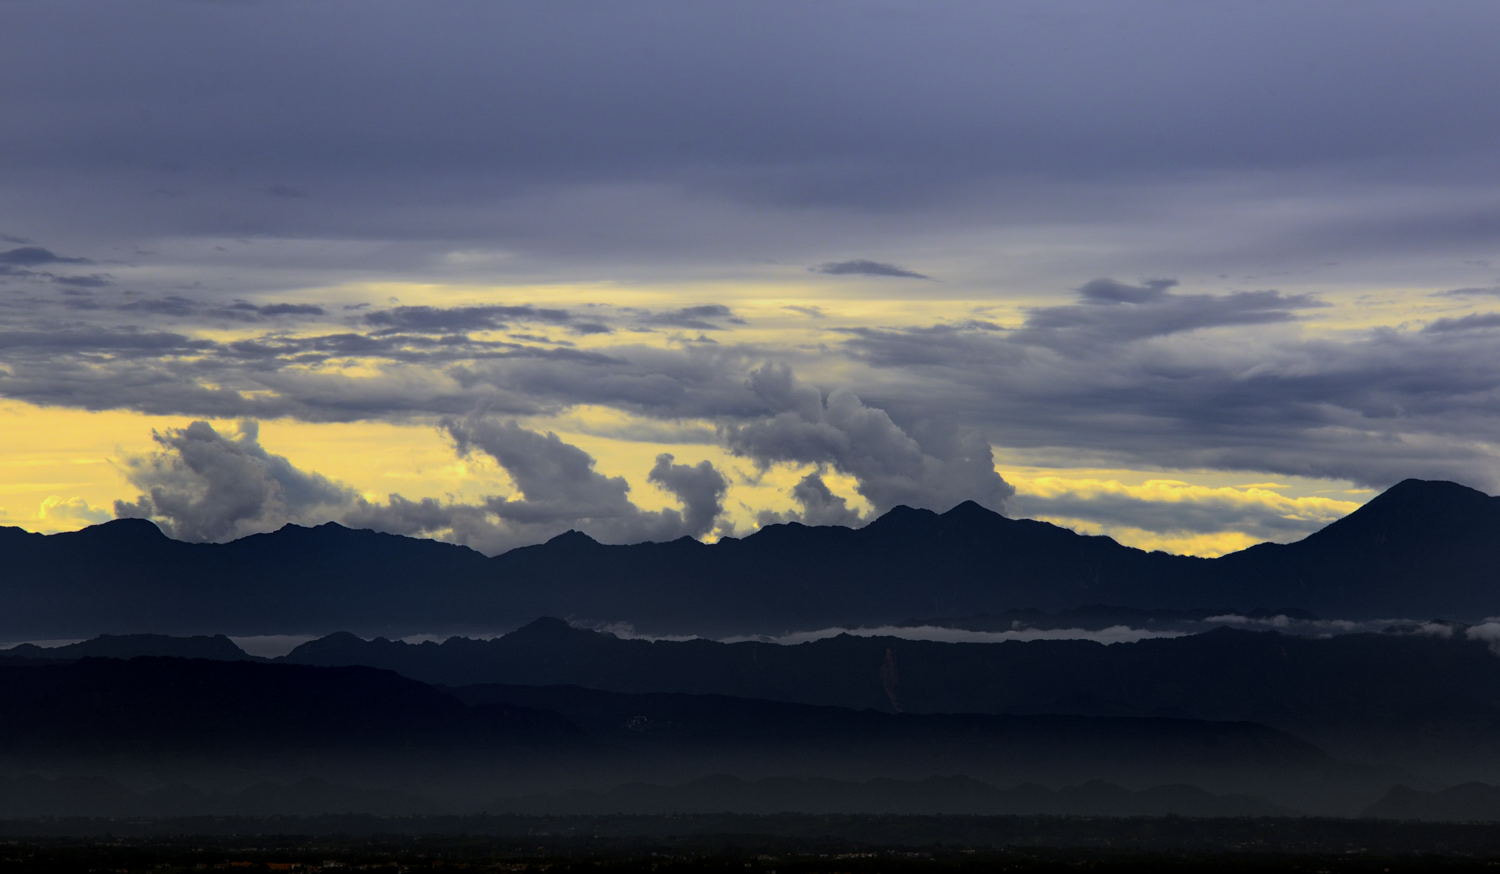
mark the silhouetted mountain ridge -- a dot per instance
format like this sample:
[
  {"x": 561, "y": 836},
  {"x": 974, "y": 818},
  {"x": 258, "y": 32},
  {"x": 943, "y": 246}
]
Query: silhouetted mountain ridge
[{"x": 1420, "y": 549}]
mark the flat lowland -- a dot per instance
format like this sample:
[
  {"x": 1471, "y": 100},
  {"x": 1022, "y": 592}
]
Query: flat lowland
[{"x": 778, "y": 843}]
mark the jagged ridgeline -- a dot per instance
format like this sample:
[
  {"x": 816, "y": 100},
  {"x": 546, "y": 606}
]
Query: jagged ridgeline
[{"x": 1420, "y": 549}]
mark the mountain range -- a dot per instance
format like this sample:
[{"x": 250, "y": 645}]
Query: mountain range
[{"x": 1420, "y": 549}]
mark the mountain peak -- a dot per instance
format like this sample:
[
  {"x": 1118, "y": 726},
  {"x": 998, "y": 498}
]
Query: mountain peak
[
  {"x": 548, "y": 628},
  {"x": 572, "y": 538},
  {"x": 1438, "y": 504},
  {"x": 970, "y": 510},
  {"x": 1409, "y": 490},
  {"x": 123, "y": 530},
  {"x": 902, "y": 517}
]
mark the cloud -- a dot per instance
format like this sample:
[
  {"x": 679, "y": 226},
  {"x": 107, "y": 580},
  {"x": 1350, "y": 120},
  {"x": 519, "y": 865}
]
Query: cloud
[
  {"x": 200, "y": 485},
  {"x": 1177, "y": 508},
  {"x": 935, "y": 466},
  {"x": 560, "y": 488},
  {"x": 462, "y": 319},
  {"x": 35, "y": 256},
  {"x": 863, "y": 267},
  {"x": 700, "y": 488},
  {"x": 203, "y": 486},
  {"x": 55, "y": 508},
  {"x": 276, "y": 310},
  {"x": 818, "y": 505},
  {"x": 1471, "y": 322},
  {"x": 1112, "y": 312},
  {"x": 92, "y": 281},
  {"x": 699, "y": 317},
  {"x": 1110, "y": 291},
  {"x": 1485, "y": 291},
  {"x": 1488, "y": 632},
  {"x": 1146, "y": 384}
]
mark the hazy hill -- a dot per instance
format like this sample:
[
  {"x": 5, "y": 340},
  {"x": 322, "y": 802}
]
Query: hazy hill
[
  {"x": 1419, "y": 701},
  {"x": 126, "y": 646},
  {"x": 179, "y": 726}
]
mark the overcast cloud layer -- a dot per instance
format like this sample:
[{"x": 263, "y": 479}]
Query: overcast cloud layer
[{"x": 890, "y": 244}]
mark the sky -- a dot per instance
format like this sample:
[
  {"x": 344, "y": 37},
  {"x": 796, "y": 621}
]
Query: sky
[{"x": 1193, "y": 275}]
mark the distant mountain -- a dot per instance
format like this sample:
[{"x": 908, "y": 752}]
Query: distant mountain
[
  {"x": 170, "y": 708},
  {"x": 125, "y": 576},
  {"x": 1422, "y": 702},
  {"x": 1420, "y": 550},
  {"x": 679, "y": 733},
  {"x": 128, "y": 646}
]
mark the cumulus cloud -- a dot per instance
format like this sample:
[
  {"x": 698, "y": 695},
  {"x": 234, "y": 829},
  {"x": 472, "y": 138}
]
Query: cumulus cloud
[
  {"x": 559, "y": 487},
  {"x": 55, "y": 508},
  {"x": 865, "y": 267},
  {"x": 699, "y": 487},
  {"x": 936, "y": 466},
  {"x": 201, "y": 485},
  {"x": 817, "y": 505}
]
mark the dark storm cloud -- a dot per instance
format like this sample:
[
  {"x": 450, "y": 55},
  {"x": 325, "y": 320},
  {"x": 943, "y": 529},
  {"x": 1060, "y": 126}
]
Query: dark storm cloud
[
  {"x": 644, "y": 110},
  {"x": 862, "y": 267}
]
